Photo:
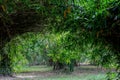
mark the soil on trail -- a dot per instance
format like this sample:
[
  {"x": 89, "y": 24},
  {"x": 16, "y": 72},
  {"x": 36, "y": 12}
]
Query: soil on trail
[{"x": 82, "y": 70}]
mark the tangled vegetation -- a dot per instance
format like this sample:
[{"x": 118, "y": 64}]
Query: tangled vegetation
[{"x": 59, "y": 33}]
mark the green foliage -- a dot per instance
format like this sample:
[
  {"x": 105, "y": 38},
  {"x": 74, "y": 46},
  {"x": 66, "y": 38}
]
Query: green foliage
[
  {"x": 13, "y": 49},
  {"x": 62, "y": 50},
  {"x": 75, "y": 30},
  {"x": 112, "y": 76},
  {"x": 37, "y": 48}
]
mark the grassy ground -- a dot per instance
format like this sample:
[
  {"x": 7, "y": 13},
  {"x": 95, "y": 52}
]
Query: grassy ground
[
  {"x": 73, "y": 77},
  {"x": 46, "y": 73},
  {"x": 41, "y": 68}
]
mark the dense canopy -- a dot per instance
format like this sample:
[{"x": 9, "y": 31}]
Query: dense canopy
[{"x": 69, "y": 31}]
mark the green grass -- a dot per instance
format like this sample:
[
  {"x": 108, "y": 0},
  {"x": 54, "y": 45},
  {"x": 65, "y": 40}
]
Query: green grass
[
  {"x": 41, "y": 68},
  {"x": 73, "y": 77},
  {"x": 46, "y": 73}
]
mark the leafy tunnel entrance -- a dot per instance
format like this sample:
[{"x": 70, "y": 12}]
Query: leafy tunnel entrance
[{"x": 65, "y": 32}]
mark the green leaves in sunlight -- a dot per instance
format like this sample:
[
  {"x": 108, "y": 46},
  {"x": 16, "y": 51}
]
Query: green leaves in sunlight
[{"x": 65, "y": 32}]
